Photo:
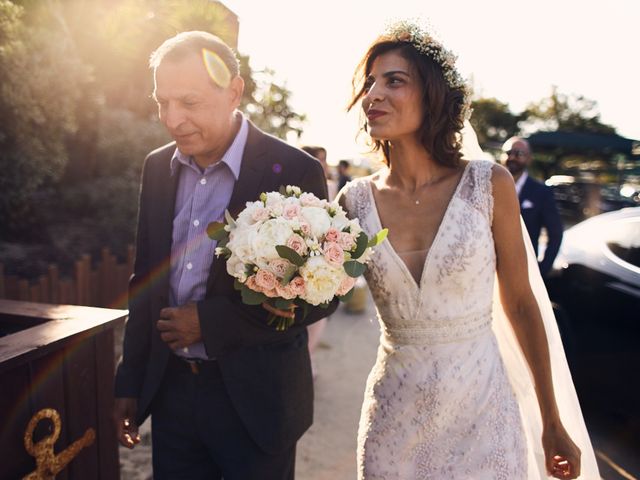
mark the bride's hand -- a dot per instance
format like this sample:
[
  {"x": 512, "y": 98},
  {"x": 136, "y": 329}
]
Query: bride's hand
[
  {"x": 562, "y": 456},
  {"x": 289, "y": 313}
]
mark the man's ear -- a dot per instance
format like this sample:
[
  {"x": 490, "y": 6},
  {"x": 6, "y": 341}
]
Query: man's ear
[{"x": 236, "y": 88}]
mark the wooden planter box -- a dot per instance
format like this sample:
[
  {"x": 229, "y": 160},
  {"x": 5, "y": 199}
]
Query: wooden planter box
[{"x": 60, "y": 357}]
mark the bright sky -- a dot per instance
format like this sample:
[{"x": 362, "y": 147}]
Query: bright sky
[{"x": 587, "y": 48}]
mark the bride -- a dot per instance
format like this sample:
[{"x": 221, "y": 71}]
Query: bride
[{"x": 461, "y": 388}]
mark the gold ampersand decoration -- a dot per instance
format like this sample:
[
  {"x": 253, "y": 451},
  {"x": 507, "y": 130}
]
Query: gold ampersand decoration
[{"x": 48, "y": 465}]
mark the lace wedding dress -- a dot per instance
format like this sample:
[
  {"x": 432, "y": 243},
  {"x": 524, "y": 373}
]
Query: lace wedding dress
[{"x": 439, "y": 403}]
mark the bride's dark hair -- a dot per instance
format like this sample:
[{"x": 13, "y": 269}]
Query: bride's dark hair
[{"x": 443, "y": 106}]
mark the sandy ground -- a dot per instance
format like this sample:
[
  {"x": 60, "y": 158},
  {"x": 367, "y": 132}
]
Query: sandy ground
[{"x": 328, "y": 450}]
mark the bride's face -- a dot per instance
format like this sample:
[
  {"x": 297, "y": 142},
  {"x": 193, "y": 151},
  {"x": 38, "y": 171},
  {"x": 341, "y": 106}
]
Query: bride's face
[{"x": 393, "y": 98}]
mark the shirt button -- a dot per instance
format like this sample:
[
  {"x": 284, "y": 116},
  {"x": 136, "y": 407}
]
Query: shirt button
[
  {"x": 189, "y": 266},
  {"x": 196, "y": 223},
  {"x": 203, "y": 181}
]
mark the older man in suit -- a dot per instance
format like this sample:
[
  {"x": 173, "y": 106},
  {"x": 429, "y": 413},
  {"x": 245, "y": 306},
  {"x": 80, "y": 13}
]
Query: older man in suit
[
  {"x": 537, "y": 204},
  {"x": 228, "y": 395}
]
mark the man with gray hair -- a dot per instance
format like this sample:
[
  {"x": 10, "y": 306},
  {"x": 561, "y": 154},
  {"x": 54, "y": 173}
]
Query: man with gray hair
[{"x": 228, "y": 394}]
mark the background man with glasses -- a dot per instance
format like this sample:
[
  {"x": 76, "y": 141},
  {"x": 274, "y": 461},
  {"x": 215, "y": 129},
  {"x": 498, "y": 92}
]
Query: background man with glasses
[{"x": 537, "y": 205}]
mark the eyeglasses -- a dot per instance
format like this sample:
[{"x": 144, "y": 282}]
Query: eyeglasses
[{"x": 515, "y": 153}]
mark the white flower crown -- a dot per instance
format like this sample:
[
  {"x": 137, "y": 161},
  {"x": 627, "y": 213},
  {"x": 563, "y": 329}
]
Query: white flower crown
[{"x": 410, "y": 32}]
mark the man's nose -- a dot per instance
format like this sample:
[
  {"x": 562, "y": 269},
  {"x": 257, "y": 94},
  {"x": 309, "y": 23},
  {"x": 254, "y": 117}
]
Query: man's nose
[{"x": 172, "y": 116}]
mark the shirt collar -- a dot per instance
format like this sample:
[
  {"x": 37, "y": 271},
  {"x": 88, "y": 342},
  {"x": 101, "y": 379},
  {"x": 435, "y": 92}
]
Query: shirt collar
[
  {"x": 520, "y": 182},
  {"x": 232, "y": 157}
]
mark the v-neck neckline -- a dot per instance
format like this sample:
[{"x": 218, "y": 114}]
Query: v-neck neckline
[{"x": 389, "y": 245}]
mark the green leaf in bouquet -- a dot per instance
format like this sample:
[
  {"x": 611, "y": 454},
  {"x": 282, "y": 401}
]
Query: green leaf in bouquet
[
  {"x": 290, "y": 254},
  {"x": 230, "y": 221},
  {"x": 324, "y": 305},
  {"x": 378, "y": 238},
  {"x": 283, "y": 190},
  {"x": 263, "y": 197},
  {"x": 237, "y": 284},
  {"x": 216, "y": 231},
  {"x": 283, "y": 304},
  {"x": 361, "y": 245},
  {"x": 347, "y": 296},
  {"x": 354, "y": 269},
  {"x": 249, "y": 297},
  {"x": 288, "y": 275}
]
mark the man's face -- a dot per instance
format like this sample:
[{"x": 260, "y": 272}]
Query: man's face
[
  {"x": 515, "y": 156},
  {"x": 197, "y": 113}
]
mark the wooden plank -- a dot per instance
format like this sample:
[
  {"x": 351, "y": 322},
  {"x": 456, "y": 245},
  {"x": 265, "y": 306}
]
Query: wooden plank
[
  {"x": 47, "y": 391},
  {"x": 80, "y": 387},
  {"x": 107, "y": 440},
  {"x": 45, "y": 295},
  {"x": 23, "y": 290},
  {"x": 54, "y": 282},
  {"x": 65, "y": 321},
  {"x": 15, "y": 413}
]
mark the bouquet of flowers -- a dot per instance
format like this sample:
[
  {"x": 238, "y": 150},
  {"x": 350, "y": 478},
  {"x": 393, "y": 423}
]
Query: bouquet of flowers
[{"x": 290, "y": 247}]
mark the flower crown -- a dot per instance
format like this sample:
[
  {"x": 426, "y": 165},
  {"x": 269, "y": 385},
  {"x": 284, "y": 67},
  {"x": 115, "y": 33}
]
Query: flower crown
[{"x": 409, "y": 32}]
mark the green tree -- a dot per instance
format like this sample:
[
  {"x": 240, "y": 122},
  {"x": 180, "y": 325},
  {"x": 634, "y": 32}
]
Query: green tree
[
  {"x": 493, "y": 121},
  {"x": 564, "y": 112},
  {"x": 42, "y": 81}
]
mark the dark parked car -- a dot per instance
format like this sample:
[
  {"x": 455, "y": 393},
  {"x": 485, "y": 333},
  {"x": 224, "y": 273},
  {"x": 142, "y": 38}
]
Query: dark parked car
[{"x": 595, "y": 286}]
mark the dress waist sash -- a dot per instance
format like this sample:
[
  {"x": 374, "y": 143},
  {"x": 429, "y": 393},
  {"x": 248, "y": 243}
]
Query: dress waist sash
[{"x": 438, "y": 330}]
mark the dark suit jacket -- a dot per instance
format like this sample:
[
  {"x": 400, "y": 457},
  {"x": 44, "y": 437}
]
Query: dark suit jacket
[
  {"x": 538, "y": 209},
  {"x": 266, "y": 373}
]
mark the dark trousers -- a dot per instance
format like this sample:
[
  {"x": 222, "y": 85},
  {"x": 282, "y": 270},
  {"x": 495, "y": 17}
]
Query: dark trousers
[{"x": 197, "y": 434}]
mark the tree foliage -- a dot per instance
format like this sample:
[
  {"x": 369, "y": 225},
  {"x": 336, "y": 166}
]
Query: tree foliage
[
  {"x": 42, "y": 80},
  {"x": 76, "y": 87},
  {"x": 564, "y": 112},
  {"x": 493, "y": 121}
]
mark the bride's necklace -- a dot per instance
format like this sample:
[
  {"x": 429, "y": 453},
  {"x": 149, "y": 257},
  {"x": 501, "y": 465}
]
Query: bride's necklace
[{"x": 415, "y": 200}]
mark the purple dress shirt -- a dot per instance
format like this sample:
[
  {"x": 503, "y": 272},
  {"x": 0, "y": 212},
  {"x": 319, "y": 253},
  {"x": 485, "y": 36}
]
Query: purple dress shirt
[{"x": 202, "y": 197}]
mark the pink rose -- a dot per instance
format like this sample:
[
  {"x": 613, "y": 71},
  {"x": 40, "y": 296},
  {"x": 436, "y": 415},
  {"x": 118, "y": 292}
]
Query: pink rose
[
  {"x": 291, "y": 211},
  {"x": 273, "y": 293},
  {"x": 265, "y": 280},
  {"x": 297, "y": 243},
  {"x": 251, "y": 284},
  {"x": 260, "y": 214},
  {"x": 331, "y": 235},
  {"x": 297, "y": 286},
  {"x": 333, "y": 254},
  {"x": 305, "y": 228},
  {"x": 310, "y": 200},
  {"x": 346, "y": 285},
  {"x": 346, "y": 241},
  {"x": 279, "y": 267},
  {"x": 285, "y": 291}
]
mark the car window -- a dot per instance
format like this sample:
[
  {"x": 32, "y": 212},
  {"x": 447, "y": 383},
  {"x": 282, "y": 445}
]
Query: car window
[{"x": 623, "y": 239}]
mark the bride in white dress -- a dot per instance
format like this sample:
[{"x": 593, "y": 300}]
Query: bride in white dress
[{"x": 439, "y": 402}]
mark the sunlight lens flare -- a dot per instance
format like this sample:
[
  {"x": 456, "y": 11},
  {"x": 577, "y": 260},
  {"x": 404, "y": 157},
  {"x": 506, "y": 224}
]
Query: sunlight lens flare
[{"x": 217, "y": 69}]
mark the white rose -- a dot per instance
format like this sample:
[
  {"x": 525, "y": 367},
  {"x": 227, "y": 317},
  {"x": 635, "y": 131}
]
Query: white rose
[
  {"x": 321, "y": 280},
  {"x": 318, "y": 219},
  {"x": 240, "y": 243},
  {"x": 264, "y": 240},
  {"x": 354, "y": 227},
  {"x": 236, "y": 268},
  {"x": 246, "y": 216},
  {"x": 340, "y": 220}
]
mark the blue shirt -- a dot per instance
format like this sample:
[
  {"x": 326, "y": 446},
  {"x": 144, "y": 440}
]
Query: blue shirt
[{"x": 202, "y": 197}]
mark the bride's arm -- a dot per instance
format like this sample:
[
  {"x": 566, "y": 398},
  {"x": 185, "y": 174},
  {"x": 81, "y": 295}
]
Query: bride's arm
[{"x": 522, "y": 310}]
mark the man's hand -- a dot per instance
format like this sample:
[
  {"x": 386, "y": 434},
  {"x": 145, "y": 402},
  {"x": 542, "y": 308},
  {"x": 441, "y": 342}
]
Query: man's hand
[
  {"x": 124, "y": 414},
  {"x": 179, "y": 326}
]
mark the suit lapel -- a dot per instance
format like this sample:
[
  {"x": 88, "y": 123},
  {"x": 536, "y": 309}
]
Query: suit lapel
[
  {"x": 165, "y": 206},
  {"x": 525, "y": 191},
  {"x": 246, "y": 188}
]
